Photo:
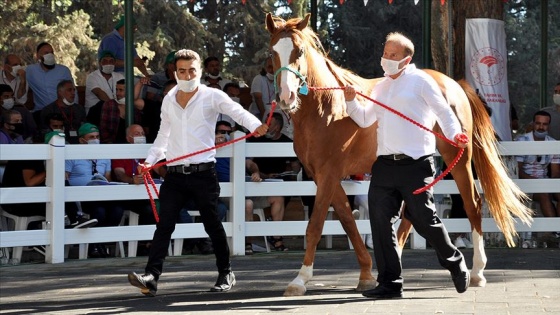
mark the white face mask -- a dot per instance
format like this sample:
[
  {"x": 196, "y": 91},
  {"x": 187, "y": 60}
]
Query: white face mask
[
  {"x": 8, "y": 103},
  {"x": 49, "y": 60},
  {"x": 107, "y": 69},
  {"x": 68, "y": 103},
  {"x": 270, "y": 76},
  {"x": 139, "y": 140},
  {"x": 556, "y": 99},
  {"x": 391, "y": 67},
  {"x": 121, "y": 100},
  {"x": 93, "y": 141},
  {"x": 187, "y": 85},
  {"x": 15, "y": 70},
  {"x": 235, "y": 99},
  {"x": 59, "y": 130},
  {"x": 214, "y": 77}
]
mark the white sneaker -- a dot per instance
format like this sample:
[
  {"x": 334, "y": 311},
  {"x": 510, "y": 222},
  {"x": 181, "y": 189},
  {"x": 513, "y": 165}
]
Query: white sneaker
[
  {"x": 459, "y": 243},
  {"x": 467, "y": 242}
]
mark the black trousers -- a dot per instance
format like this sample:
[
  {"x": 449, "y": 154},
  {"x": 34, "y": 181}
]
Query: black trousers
[
  {"x": 203, "y": 188},
  {"x": 393, "y": 182}
]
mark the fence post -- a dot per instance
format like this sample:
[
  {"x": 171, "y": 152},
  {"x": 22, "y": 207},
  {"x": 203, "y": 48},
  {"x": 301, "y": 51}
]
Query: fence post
[
  {"x": 237, "y": 204},
  {"x": 55, "y": 207}
]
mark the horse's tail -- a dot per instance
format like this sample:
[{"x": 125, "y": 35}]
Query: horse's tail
[{"x": 505, "y": 199}]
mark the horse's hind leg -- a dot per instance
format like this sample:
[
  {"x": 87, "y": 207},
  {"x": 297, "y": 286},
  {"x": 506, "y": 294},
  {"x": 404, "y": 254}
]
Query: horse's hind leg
[
  {"x": 344, "y": 212},
  {"x": 462, "y": 174}
]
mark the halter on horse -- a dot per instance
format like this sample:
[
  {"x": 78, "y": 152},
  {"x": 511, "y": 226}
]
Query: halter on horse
[{"x": 330, "y": 146}]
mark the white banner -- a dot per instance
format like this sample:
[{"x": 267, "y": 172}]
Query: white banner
[{"x": 486, "y": 69}]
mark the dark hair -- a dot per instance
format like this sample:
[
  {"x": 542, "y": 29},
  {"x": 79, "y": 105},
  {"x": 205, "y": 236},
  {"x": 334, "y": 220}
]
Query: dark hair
[
  {"x": 186, "y": 54},
  {"x": 53, "y": 116},
  {"x": 542, "y": 113},
  {"x": 7, "y": 114},
  {"x": 121, "y": 81},
  {"x": 41, "y": 45},
  {"x": 231, "y": 84},
  {"x": 5, "y": 88},
  {"x": 168, "y": 83},
  {"x": 223, "y": 123},
  {"x": 62, "y": 83},
  {"x": 209, "y": 59}
]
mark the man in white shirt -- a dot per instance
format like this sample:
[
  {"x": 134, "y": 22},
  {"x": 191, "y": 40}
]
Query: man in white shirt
[
  {"x": 188, "y": 118},
  {"x": 13, "y": 74},
  {"x": 101, "y": 84},
  {"x": 404, "y": 163},
  {"x": 213, "y": 77}
]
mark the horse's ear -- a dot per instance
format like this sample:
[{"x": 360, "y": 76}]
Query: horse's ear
[
  {"x": 303, "y": 23},
  {"x": 270, "y": 25}
]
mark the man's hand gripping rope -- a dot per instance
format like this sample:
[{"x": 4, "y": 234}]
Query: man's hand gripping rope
[{"x": 145, "y": 168}]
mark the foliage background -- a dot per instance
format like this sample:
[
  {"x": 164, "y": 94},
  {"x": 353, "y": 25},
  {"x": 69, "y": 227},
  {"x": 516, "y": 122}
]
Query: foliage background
[{"x": 352, "y": 33}]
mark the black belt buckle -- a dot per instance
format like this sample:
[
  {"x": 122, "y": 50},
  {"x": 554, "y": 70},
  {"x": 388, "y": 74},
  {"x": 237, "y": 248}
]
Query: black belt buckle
[{"x": 398, "y": 157}]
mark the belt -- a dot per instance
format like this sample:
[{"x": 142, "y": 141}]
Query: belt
[
  {"x": 396, "y": 157},
  {"x": 193, "y": 168}
]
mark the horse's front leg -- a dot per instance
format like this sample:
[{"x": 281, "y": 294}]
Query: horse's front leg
[
  {"x": 344, "y": 212},
  {"x": 313, "y": 236}
]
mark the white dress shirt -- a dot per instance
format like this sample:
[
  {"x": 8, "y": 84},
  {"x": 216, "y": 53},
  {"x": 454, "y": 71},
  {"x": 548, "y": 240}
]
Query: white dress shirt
[
  {"x": 97, "y": 80},
  {"x": 191, "y": 129},
  {"x": 415, "y": 94}
]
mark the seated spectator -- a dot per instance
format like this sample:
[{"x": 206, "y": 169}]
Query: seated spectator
[
  {"x": 7, "y": 102},
  {"x": 232, "y": 90},
  {"x": 111, "y": 117},
  {"x": 74, "y": 115},
  {"x": 159, "y": 79},
  {"x": 536, "y": 166},
  {"x": 32, "y": 173},
  {"x": 80, "y": 173},
  {"x": 101, "y": 84},
  {"x": 126, "y": 171},
  {"x": 12, "y": 127},
  {"x": 213, "y": 77},
  {"x": 43, "y": 79},
  {"x": 13, "y": 74},
  {"x": 151, "y": 110},
  {"x": 275, "y": 168}
]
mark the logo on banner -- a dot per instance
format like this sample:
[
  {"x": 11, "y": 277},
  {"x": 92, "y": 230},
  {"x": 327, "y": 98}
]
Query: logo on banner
[{"x": 487, "y": 66}]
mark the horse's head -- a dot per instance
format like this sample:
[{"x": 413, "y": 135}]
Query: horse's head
[{"x": 287, "y": 49}]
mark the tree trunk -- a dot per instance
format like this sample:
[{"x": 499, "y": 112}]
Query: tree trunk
[{"x": 462, "y": 10}]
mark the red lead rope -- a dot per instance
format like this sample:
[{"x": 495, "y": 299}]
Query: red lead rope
[
  {"x": 148, "y": 180},
  {"x": 463, "y": 138}
]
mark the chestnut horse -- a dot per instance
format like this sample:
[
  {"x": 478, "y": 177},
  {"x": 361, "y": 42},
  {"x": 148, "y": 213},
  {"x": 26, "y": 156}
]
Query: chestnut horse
[{"x": 330, "y": 146}]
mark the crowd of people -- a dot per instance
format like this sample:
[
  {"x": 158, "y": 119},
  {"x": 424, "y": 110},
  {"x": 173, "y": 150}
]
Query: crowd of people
[{"x": 41, "y": 100}]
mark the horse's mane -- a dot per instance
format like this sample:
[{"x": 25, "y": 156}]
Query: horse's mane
[{"x": 319, "y": 65}]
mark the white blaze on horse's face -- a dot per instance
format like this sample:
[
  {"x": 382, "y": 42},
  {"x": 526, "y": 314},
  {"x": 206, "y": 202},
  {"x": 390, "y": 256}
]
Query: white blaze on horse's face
[{"x": 289, "y": 82}]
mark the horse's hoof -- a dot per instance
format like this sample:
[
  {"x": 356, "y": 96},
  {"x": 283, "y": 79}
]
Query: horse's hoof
[
  {"x": 364, "y": 285},
  {"x": 294, "y": 290},
  {"x": 477, "y": 281}
]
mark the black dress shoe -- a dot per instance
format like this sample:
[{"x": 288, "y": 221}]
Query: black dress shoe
[
  {"x": 381, "y": 293},
  {"x": 146, "y": 282},
  {"x": 461, "y": 277},
  {"x": 226, "y": 280}
]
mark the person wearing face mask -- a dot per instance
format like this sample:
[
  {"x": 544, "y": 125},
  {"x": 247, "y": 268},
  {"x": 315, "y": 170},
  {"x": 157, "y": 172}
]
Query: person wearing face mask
[
  {"x": 405, "y": 162},
  {"x": 213, "y": 76},
  {"x": 554, "y": 111},
  {"x": 43, "y": 78},
  {"x": 537, "y": 166},
  {"x": 110, "y": 116},
  {"x": 7, "y": 102},
  {"x": 101, "y": 84},
  {"x": 114, "y": 42},
  {"x": 74, "y": 115},
  {"x": 151, "y": 109},
  {"x": 13, "y": 74},
  {"x": 188, "y": 118},
  {"x": 12, "y": 128},
  {"x": 81, "y": 173}
]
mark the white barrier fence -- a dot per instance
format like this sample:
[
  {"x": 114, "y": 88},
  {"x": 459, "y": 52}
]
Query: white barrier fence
[{"x": 56, "y": 193}]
